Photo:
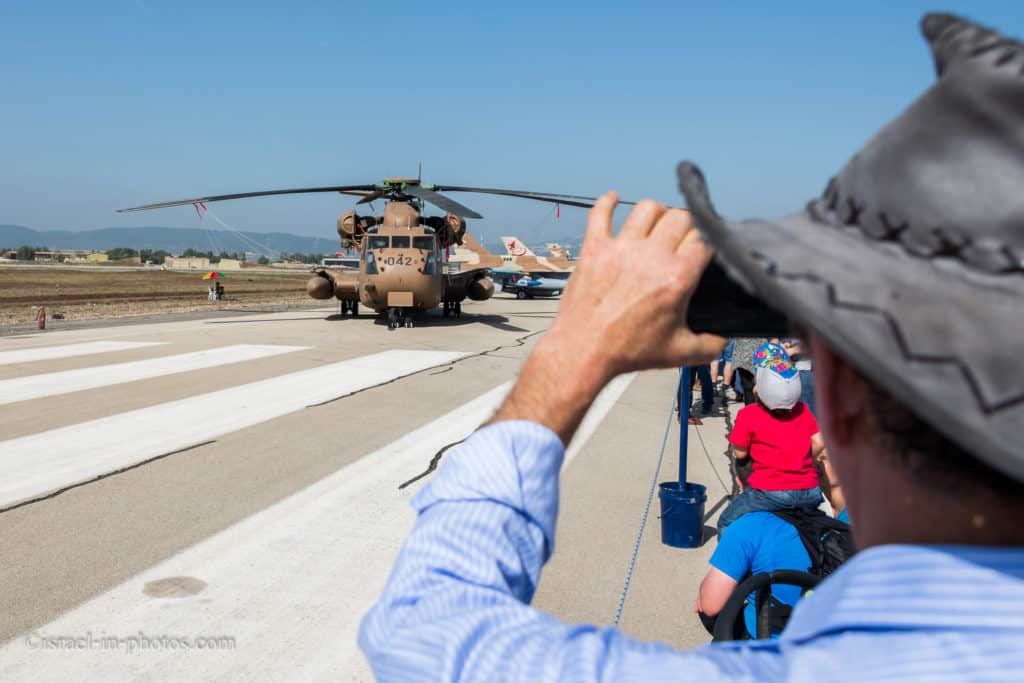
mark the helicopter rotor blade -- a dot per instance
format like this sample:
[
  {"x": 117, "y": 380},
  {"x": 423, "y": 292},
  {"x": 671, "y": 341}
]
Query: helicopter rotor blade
[
  {"x": 550, "y": 200},
  {"x": 370, "y": 197},
  {"x": 246, "y": 195},
  {"x": 440, "y": 201},
  {"x": 553, "y": 198}
]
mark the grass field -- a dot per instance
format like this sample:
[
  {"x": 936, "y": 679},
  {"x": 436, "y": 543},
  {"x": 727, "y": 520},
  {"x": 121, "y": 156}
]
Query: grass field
[{"x": 92, "y": 293}]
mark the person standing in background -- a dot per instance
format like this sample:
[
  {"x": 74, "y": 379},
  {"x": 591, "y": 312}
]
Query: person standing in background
[
  {"x": 707, "y": 389},
  {"x": 743, "y": 362},
  {"x": 724, "y": 363},
  {"x": 802, "y": 361}
]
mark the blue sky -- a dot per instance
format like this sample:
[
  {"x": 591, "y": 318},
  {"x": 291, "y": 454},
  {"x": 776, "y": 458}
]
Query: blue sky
[{"x": 109, "y": 105}]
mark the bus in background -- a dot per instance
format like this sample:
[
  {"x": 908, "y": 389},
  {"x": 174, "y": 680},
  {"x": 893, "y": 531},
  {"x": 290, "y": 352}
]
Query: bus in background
[{"x": 346, "y": 262}]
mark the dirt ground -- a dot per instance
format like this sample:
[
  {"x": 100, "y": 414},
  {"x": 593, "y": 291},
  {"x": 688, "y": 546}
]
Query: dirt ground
[{"x": 99, "y": 293}]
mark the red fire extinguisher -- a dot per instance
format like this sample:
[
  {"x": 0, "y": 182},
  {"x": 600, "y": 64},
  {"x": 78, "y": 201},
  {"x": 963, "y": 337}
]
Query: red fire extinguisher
[{"x": 41, "y": 317}]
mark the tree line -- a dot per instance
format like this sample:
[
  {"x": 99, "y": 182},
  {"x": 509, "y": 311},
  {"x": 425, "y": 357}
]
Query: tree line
[{"x": 158, "y": 256}]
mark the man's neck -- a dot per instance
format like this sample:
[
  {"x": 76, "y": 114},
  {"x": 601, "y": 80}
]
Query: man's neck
[{"x": 888, "y": 508}]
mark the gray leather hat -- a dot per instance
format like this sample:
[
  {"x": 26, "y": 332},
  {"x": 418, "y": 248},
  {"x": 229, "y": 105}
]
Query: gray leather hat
[{"x": 911, "y": 264}]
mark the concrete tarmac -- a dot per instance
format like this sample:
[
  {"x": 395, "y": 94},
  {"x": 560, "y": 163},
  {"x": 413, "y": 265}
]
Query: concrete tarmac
[{"x": 286, "y": 514}]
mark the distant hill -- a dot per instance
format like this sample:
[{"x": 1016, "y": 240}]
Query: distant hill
[
  {"x": 173, "y": 240},
  {"x": 177, "y": 240}
]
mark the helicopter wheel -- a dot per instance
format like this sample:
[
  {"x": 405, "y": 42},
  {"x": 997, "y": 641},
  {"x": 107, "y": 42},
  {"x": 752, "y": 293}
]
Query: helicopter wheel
[
  {"x": 521, "y": 294},
  {"x": 458, "y": 309},
  {"x": 354, "y": 308},
  {"x": 446, "y": 309}
]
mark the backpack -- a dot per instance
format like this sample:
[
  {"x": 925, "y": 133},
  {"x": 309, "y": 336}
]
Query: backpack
[{"x": 828, "y": 541}]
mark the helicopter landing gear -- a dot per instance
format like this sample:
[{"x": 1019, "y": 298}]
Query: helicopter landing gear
[
  {"x": 398, "y": 318},
  {"x": 350, "y": 307},
  {"x": 453, "y": 308}
]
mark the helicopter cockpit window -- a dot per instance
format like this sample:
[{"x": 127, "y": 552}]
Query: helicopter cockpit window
[
  {"x": 400, "y": 242},
  {"x": 371, "y": 263},
  {"x": 378, "y": 242},
  {"x": 425, "y": 243}
]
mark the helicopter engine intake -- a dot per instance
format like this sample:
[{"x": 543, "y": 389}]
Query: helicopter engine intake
[
  {"x": 351, "y": 227},
  {"x": 456, "y": 229}
]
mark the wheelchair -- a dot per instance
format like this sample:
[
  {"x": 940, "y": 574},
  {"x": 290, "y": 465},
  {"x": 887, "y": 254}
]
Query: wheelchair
[{"x": 772, "y": 615}]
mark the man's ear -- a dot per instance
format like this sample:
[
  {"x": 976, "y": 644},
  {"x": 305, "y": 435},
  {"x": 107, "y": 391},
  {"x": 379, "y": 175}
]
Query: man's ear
[{"x": 842, "y": 395}]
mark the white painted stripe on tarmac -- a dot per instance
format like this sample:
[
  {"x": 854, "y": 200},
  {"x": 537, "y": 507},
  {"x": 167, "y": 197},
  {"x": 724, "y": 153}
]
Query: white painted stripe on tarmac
[
  {"x": 33, "y": 466},
  {"x": 55, "y": 383},
  {"x": 602, "y": 404},
  {"x": 288, "y": 584},
  {"x": 68, "y": 350}
]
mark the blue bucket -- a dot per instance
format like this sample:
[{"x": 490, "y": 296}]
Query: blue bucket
[{"x": 682, "y": 513}]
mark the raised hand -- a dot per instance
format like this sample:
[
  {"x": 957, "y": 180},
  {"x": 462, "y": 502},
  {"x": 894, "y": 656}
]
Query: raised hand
[
  {"x": 624, "y": 310},
  {"x": 629, "y": 294}
]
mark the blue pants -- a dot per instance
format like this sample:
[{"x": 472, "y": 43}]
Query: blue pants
[
  {"x": 707, "y": 387},
  {"x": 807, "y": 390},
  {"x": 756, "y": 500}
]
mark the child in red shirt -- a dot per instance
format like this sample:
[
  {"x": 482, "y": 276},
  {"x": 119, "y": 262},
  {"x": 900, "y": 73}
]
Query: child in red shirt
[{"x": 780, "y": 435}]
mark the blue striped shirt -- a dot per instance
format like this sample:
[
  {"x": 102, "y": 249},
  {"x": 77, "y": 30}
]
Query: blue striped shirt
[{"x": 456, "y": 606}]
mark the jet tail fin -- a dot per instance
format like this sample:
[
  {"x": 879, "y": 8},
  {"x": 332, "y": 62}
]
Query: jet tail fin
[{"x": 515, "y": 247}]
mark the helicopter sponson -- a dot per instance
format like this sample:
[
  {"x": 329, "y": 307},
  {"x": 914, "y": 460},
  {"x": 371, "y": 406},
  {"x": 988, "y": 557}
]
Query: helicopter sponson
[{"x": 328, "y": 283}]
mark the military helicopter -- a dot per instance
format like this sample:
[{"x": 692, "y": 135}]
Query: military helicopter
[{"x": 403, "y": 264}]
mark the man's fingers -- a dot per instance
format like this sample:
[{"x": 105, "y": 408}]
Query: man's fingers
[
  {"x": 671, "y": 228},
  {"x": 710, "y": 345},
  {"x": 697, "y": 349},
  {"x": 599, "y": 222},
  {"x": 642, "y": 219},
  {"x": 695, "y": 251}
]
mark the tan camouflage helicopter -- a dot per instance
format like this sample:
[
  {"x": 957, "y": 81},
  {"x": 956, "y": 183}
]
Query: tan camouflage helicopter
[{"x": 403, "y": 262}]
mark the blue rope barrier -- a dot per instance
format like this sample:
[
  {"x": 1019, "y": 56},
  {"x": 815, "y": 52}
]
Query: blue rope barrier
[{"x": 647, "y": 509}]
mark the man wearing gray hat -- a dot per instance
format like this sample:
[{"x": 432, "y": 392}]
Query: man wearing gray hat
[{"x": 907, "y": 278}]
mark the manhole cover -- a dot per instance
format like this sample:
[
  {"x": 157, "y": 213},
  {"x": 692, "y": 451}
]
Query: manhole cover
[{"x": 174, "y": 587}]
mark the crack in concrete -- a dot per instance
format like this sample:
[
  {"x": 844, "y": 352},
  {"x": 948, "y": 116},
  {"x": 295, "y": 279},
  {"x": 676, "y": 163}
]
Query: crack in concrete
[
  {"x": 436, "y": 459},
  {"x": 65, "y": 489}
]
